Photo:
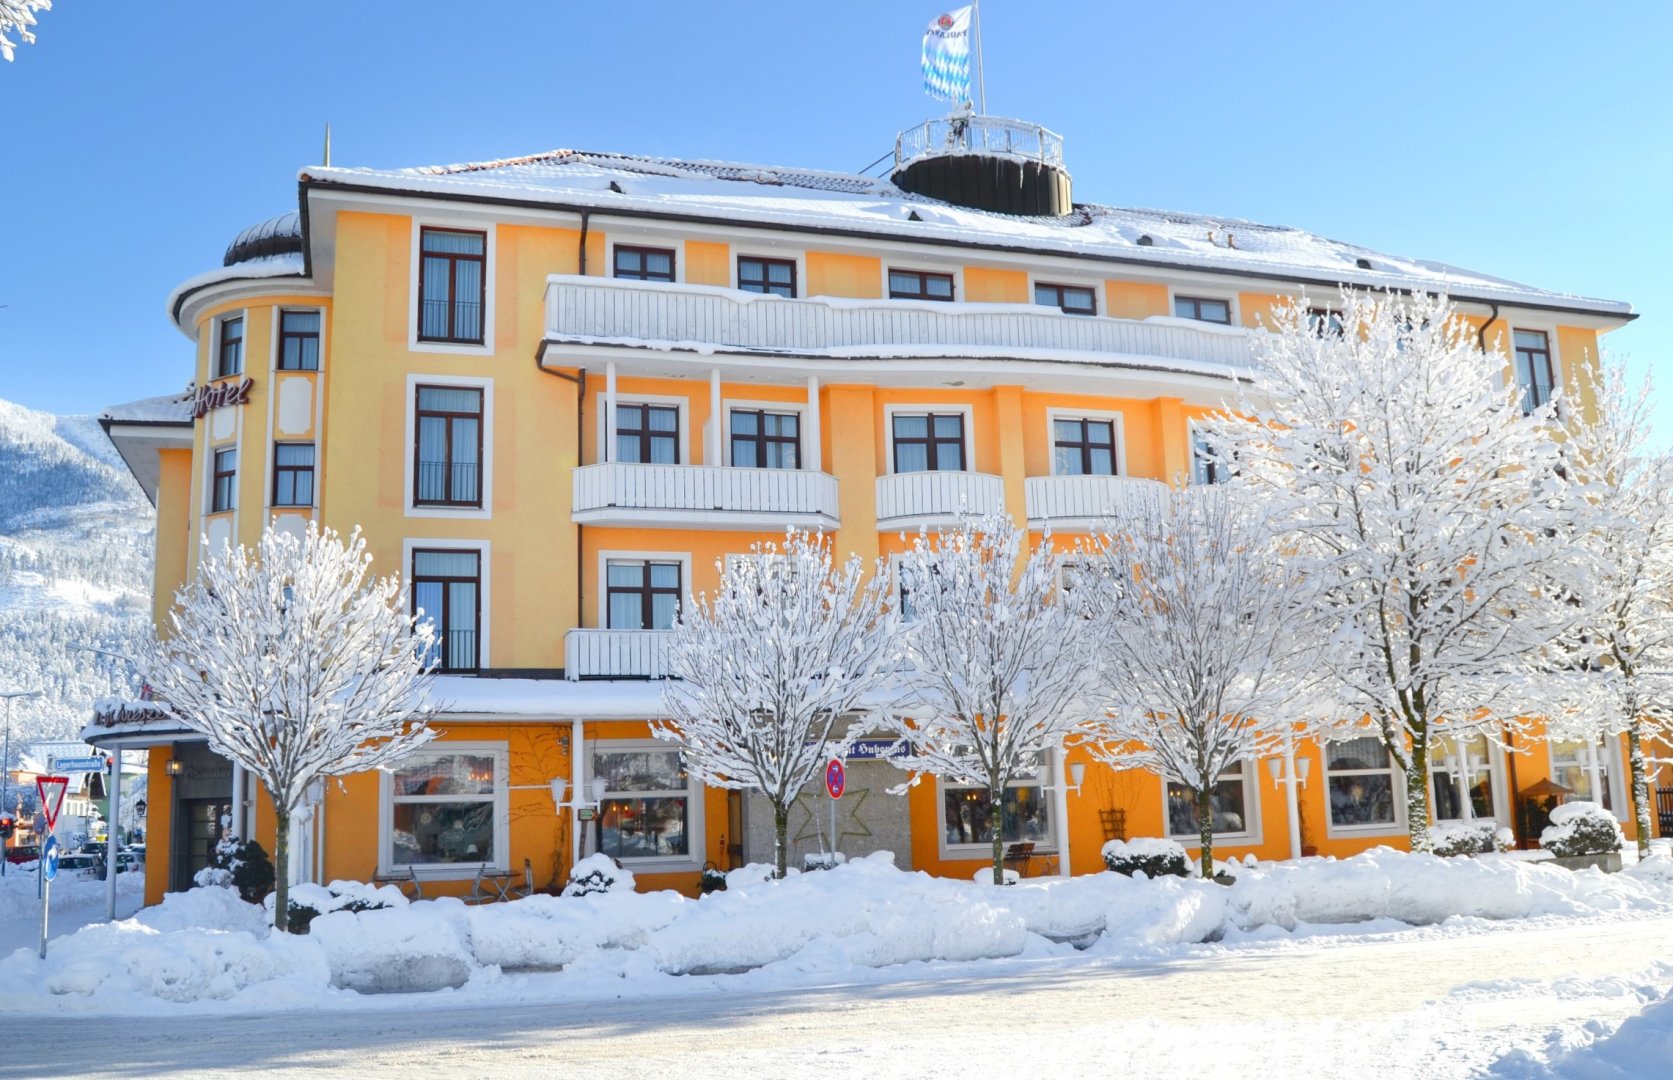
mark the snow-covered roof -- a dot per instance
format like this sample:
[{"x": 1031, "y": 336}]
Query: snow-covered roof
[
  {"x": 165, "y": 409},
  {"x": 846, "y": 202},
  {"x": 289, "y": 264}
]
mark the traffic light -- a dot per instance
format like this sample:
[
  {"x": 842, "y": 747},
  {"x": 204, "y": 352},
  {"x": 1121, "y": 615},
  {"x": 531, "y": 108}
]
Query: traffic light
[{"x": 7, "y": 826}]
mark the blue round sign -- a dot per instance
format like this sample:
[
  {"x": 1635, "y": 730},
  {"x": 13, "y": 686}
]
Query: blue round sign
[{"x": 49, "y": 858}]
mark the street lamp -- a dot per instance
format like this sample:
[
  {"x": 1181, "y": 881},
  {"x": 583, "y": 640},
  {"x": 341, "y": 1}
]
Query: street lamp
[
  {"x": 6, "y": 761},
  {"x": 1288, "y": 772}
]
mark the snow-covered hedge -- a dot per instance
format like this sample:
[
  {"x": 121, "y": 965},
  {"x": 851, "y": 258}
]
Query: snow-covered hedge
[
  {"x": 1581, "y": 828},
  {"x": 598, "y": 873},
  {"x": 308, "y": 902},
  {"x": 1469, "y": 837},
  {"x": 1147, "y": 855}
]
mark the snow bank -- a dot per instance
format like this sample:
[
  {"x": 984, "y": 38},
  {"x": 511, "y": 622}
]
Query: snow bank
[{"x": 1641, "y": 1047}]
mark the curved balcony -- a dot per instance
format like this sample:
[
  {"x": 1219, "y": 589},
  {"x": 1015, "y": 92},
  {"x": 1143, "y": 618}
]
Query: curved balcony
[
  {"x": 703, "y": 497},
  {"x": 1080, "y": 503},
  {"x": 911, "y": 500}
]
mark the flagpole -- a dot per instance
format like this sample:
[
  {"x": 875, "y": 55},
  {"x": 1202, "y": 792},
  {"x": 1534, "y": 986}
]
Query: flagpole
[{"x": 981, "y": 81}]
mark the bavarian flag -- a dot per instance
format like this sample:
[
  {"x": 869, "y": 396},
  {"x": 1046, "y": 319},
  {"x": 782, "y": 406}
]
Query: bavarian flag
[{"x": 947, "y": 57}]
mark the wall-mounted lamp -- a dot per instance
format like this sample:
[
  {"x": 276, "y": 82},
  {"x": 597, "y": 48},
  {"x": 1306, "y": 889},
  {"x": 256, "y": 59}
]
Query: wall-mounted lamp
[
  {"x": 1303, "y": 766},
  {"x": 174, "y": 767},
  {"x": 560, "y": 787},
  {"x": 1077, "y": 773}
]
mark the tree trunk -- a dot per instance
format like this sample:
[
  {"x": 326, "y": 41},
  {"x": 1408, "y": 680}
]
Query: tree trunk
[
  {"x": 996, "y": 822},
  {"x": 1640, "y": 788},
  {"x": 281, "y": 870},
  {"x": 1417, "y": 796},
  {"x": 781, "y": 832},
  {"x": 1205, "y": 828}
]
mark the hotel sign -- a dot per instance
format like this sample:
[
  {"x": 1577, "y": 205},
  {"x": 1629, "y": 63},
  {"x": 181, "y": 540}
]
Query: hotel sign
[{"x": 205, "y": 398}]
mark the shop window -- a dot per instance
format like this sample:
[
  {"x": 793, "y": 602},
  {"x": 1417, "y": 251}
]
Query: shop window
[
  {"x": 1024, "y": 816},
  {"x": 648, "y": 806},
  {"x": 446, "y": 807},
  {"x": 1233, "y": 801},
  {"x": 1360, "y": 782}
]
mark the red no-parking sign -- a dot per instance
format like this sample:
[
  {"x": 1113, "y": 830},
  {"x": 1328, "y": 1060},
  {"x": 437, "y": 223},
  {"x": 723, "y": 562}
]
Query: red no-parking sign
[{"x": 836, "y": 779}]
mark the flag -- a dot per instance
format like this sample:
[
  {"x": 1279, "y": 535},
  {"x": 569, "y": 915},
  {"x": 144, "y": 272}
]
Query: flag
[{"x": 947, "y": 57}]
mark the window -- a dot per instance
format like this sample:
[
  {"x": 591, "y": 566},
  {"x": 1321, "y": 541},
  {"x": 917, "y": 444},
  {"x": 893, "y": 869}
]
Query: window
[
  {"x": 928, "y": 442},
  {"x": 1024, "y": 816},
  {"x": 445, "y": 808},
  {"x": 1083, "y": 447},
  {"x": 642, "y": 595},
  {"x": 447, "y": 457},
  {"x": 776, "y": 277},
  {"x": 1070, "y": 299},
  {"x": 452, "y": 285},
  {"x": 223, "y": 493},
  {"x": 1360, "y": 782},
  {"x": 293, "y": 474},
  {"x": 1203, "y": 309},
  {"x": 1325, "y": 322},
  {"x": 1206, "y": 468},
  {"x": 1232, "y": 799},
  {"x": 229, "y": 349},
  {"x": 447, "y": 591},
  {"x": 644, "y": 264},
  {"x": 1444, "y": 767},
  {"x": 1533, "y": 368},
  {"x": 919, "y": 285},
  {"x": 766, "y": 440},
  {"x": 1571, "y": 763},
  {"x": 648, "y": 434},
  {"x": 299, "y": 340},
  {"x": 646, "y": 812}
]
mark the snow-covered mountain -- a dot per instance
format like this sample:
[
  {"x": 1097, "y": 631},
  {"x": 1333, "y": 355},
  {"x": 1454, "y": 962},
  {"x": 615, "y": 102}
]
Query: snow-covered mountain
[{"x": 75, "y": 569}]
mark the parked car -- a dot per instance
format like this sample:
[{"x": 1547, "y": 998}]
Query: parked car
[{"x": 23, "y": 853}]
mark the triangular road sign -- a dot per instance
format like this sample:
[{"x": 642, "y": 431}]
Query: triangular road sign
[{"x": 52, "y": 790}]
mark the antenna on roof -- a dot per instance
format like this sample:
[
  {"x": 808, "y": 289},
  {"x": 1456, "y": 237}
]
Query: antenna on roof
[{"x": 327, "y": 161}]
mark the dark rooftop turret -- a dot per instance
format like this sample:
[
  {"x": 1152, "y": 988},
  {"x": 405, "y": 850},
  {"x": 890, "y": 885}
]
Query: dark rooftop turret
[
  {"x": 985, "y": 163},
  {"x": 280, "y": 235}
]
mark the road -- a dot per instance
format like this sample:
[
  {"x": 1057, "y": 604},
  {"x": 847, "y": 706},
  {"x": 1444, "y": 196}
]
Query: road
[{"x": 1409, "y": 1004}]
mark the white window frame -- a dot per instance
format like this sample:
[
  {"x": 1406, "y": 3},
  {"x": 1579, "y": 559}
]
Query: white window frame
[
  {"x": 605, "y": 558},
  {"x": 501, "y": 754},
  {"x": 474, "y": 382},
  {"x": 696, "y": 835},
  {"x": 1611, "y": 765},
  {"x": 1558, "y": 382},
  {"x": 464, "y": 223},
  {"x": 799, "y": 408},
  {"x": 1100, "y": 297},
  {"x": 797, "y": 257},
  {"x": 669, "y": 243},
  {"x": 1232, "y": 308},
  {"x": 1397, "y": 795},
  {"x": 969, "y": 411},
  {"x": 273, "y": 340},
  {"x": 687, "y": 450},
  {"x": 214, "y": 362},
  {"x": 1118, "y": 418},
  {"x": 960, "y": 294},
  {"x": 1192, "y": 429},
  {"x": 1440, "y": 746},
  {"x": 1251, "y": 831},
  {"x": 484, "y": 563},
  {"x": 1046, "y": 775}
]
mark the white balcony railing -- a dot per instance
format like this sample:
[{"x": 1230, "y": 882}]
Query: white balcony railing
[
  {"x": 1081, "y": 501},
  {"x": 621, "y": 493},
  {"x": 703, "y": 319},
  {"x": 616, "y": 654},
  {"x": 907, "y": 500}
]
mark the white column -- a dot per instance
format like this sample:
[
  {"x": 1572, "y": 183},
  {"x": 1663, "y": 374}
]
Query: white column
[
  {"x": 113, "y": 843},
  {"x": 812, "y": 454},
  {"x": 238, "y": 802},
  {"x": 610, "y": 411},
  {"x": 1594, "y": 771},
  {"x": 319, "y": 839},
  {"x": 1060, "y": 806},
  {"x": 711, "y": 453},
  {"x": 1463, "y": 776},
  {"x": 577, "y": 787},
  {"x": 1292, "y": 800}
]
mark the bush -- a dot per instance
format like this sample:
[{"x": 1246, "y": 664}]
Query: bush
[
  {"x": 241, "y": 865},
  {"x": 598, "y": 873},
  {"x": 1148, "y": 855},
  {"x": 712, "y": 879},
  {"x": 1581, "y": 828},
  {"x": 308, "y": 902},
  {"x": 1469, "y": 838}
]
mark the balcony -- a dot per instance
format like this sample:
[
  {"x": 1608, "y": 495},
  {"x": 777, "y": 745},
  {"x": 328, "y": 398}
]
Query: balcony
[
  {"x": 703, "y": 320},
  {"x": 1079, "y": 503},
  {"x": 911, "y": 500},
  {"x": 703, "y": 497},
  {"x": 616, "y": 654}
]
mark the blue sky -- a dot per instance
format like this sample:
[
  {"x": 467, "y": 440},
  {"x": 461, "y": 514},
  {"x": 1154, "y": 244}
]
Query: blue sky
[{"x": 1523, "y": 140}]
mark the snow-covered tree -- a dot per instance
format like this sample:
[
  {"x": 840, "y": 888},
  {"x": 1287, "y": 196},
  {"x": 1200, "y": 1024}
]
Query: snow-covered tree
[
  {"x": 771, "y": 668},
  {"x": 18, "y": 16},
  {"x": 1209, "y": 638},
  {"x": 1621, "y": 680},
  {"x": 1400, "y": 461},
  {"x": 294, "y": 662},
  {"x": 996, "y": 665}
]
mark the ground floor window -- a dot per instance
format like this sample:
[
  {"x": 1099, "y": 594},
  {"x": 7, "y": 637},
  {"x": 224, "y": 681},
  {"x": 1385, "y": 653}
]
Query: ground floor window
[
  {"x": 1025, "y": 814},
  {"x": 1360, "y": 782},
  {"x": 1571, "y": 766},
  {"x": 1472, "y": 758},
  {"x": 650, "y": 805},
  {"x": 447, "y": 806},
  {"x": 1233, "y": 800}
]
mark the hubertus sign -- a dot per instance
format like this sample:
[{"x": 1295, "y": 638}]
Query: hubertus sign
[{"x": 205, "y": 398}]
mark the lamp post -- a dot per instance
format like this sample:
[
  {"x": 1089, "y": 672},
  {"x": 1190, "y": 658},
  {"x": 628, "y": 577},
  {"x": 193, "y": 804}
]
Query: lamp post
[
  {"x": 1286, "y": 773},
  {"x": 6, "y": 762}
]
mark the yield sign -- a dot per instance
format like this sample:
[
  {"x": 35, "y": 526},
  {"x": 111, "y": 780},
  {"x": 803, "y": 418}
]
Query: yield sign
[{"x": 52, "y": 797}]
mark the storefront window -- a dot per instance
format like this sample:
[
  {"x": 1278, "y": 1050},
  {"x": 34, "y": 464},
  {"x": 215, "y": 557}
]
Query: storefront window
[
  {"x": 443, "y": 809},
  {"x": 1470, "y": 756},
  {"x": 1360, "y": 782},
  {"x": 1571, "y": 767},
  {"x": 1232, "y": 799},
  {"x": 646, "y": 812},
  {"x": 1024, "y": 816}
]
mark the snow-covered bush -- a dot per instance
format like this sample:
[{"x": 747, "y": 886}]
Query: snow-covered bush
[
  {"x": 308, "y": 902},
  {"x": 1469, "y": 837},
  {"x": 1149, "y": 855},
  {"x": 1581, "y": 828},
  {"x": 241, "y": 865},
  {"x": 712, "y": 879},
  {"x": 598, "y": 873}
]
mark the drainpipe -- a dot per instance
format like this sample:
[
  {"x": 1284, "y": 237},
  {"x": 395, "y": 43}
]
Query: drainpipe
[{"x": 1481, "y": 335}]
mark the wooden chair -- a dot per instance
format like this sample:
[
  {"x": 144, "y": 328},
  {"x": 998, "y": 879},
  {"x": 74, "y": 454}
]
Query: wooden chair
[
  {"x": 1115, "y": 824},
  {"x": 526, "y": 889},
  {"x": 1018, "y": 856}
]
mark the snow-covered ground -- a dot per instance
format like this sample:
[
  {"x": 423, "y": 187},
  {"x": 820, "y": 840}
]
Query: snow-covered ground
[{"x": 77, "y": 901}]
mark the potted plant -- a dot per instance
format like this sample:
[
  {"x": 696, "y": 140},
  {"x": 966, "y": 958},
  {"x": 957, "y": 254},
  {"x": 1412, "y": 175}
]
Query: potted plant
[{"x": 1583, "y": 834}]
